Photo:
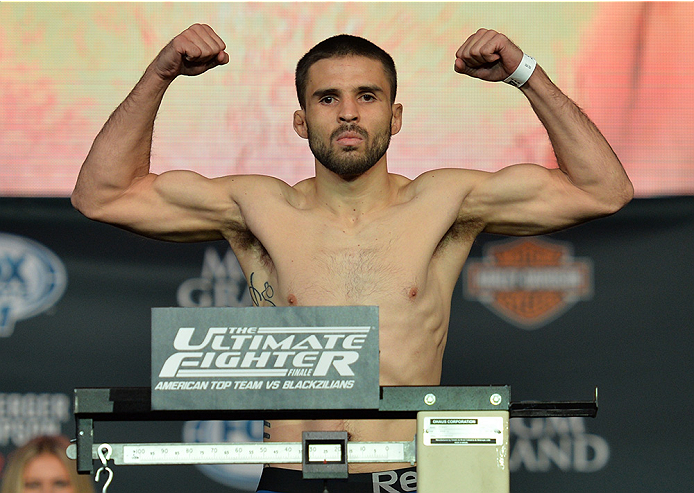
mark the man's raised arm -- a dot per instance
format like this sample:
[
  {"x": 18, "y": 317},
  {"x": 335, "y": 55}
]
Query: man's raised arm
[
  {"x": 115, "y": 185},
  {"x": 526, "y": 198}
]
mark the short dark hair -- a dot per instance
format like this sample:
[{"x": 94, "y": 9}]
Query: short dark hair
[{"x": 339, "y": 46}]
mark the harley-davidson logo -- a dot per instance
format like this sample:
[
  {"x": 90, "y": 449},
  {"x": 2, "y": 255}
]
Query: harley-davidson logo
[{"x": 529, "y": 282}]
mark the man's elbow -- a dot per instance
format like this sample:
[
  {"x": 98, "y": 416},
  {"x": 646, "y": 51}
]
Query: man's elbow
[
  {"x": 619, "y": 197},
  {"x": 85, "y": 203},
  {"x": 625, "y": 193},
  {"x": 79, "y": 200},
  {"x": 76, "y": 199},
  {"x": 628, "y": 193}
]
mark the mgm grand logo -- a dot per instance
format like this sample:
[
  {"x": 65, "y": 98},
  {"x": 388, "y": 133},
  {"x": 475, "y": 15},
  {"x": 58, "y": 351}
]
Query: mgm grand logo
[{"x": 528, "y": 282}]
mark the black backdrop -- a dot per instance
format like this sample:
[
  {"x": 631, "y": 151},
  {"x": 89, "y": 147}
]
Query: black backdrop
[{"x": 632, "y": 338}]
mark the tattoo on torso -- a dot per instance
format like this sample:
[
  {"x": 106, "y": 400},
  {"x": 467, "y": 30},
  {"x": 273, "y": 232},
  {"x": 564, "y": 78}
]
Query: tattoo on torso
[{"x": 258, "y": 296}]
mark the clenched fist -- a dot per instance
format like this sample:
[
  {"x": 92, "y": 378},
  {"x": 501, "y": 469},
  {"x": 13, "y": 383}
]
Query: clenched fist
[
  {"x": 194, "y": 51},
  {"x": 488, "y": 55}
]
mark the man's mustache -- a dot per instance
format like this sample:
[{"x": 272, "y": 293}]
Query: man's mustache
[{"x": 349, "y": 128}]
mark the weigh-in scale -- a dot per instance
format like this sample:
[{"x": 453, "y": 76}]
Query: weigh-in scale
[{"x": 304, "y": 363}]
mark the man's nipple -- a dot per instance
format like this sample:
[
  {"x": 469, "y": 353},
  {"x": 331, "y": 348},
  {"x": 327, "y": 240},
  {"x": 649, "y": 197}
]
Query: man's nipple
[
  {"x": 413, "y": 292},
  {"x": 291, "y": 299}
]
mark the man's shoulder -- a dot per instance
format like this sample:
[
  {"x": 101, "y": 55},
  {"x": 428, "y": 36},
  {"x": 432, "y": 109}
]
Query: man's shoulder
[
  {"x": 246, "y": 188},
  {"x": 448, "y": 173},
  {"x": 264, "y": 181},
  {"x": 439, "y": 180}
]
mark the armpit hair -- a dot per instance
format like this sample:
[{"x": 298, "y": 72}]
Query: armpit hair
[
  {"x": 460, "y": 231},
  {"x": 244, "y": 239}
]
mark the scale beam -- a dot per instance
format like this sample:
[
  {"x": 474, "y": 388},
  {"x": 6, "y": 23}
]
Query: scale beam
[{"x": 245, "y": 453}]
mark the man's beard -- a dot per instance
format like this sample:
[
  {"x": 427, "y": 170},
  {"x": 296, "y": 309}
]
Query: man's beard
[{"x": 346, "y": 161}]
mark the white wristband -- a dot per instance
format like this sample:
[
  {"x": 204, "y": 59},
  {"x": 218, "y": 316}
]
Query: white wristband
[{"x": 521, "y": 75}]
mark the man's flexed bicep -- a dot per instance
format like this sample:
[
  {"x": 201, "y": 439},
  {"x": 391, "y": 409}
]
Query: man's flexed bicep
[
  {"x": 175, "y": 206},
  {"x": 527, "y": 199},
  {"x": 185, "y": 206}
]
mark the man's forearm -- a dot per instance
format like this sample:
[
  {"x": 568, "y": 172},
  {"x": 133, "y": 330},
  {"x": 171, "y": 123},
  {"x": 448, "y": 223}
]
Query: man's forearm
[{"x": 582, "y": 151}]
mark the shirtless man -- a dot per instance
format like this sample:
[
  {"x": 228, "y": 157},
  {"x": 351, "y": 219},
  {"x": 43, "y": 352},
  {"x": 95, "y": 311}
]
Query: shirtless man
[{"x": 368, "y": 237}]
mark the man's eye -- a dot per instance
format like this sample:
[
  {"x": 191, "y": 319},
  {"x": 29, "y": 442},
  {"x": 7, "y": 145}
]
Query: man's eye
[
  {"x": 368, "y": 97},
  {"x": 327, "y": 100}
]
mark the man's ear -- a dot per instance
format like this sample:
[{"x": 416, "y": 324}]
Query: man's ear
[
  {"x": 300, "y": 124},
  {"x": 396, "y": 119}
]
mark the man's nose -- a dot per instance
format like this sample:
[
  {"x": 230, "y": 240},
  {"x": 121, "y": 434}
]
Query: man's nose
[{"x": 349, "y": 111}]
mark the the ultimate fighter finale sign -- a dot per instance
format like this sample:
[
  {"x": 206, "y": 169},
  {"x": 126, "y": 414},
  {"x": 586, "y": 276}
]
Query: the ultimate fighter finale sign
[{"x": 265, "y": 358}]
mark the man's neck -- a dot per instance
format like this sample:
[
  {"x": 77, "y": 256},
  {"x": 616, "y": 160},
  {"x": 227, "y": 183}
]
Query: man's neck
[{"x": 351, "y": 198}]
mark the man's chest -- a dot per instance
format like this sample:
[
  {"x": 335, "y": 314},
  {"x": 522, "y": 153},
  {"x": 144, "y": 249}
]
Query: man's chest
[
  {"x": 305, "y": 258},
  {"x": 352, "y": 271},
  {"x": 316, "y": 261},
  {"x": 359, "y": 266}
]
